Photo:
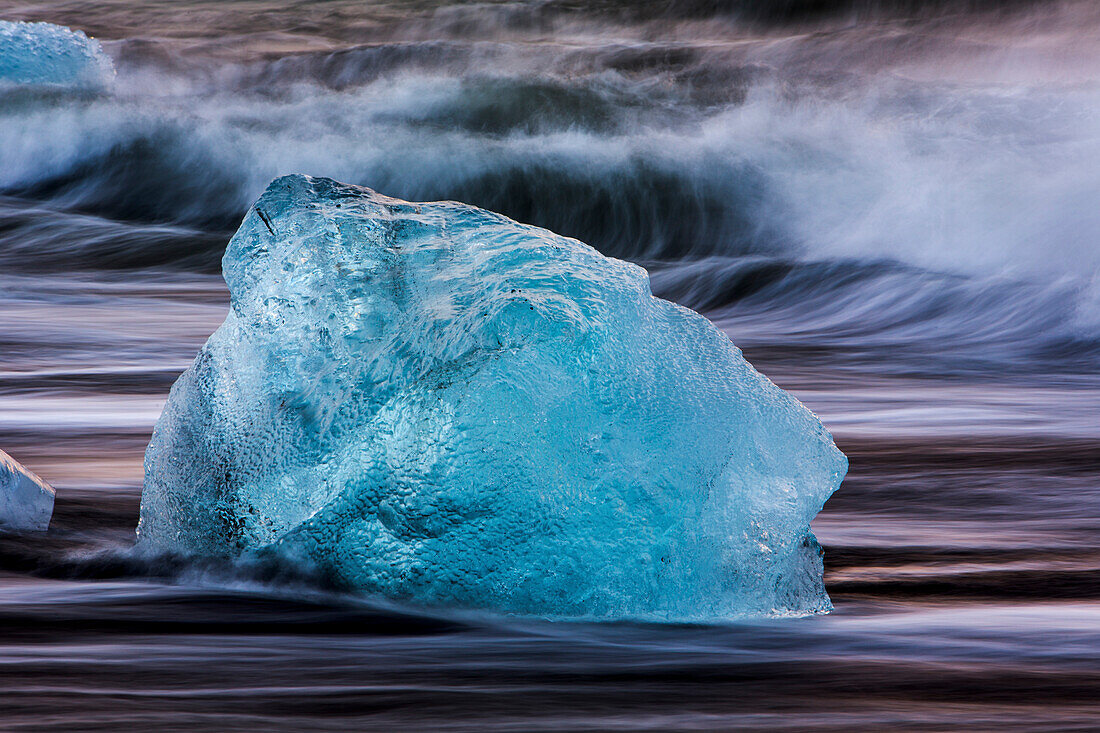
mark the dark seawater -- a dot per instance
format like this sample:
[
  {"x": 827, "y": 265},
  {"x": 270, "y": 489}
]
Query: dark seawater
[{"x": 892, "y": 207}]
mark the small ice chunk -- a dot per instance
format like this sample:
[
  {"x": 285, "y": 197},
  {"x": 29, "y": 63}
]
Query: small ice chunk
[
  {"x": 40, "y": 54},
  {"x": 443, "y": 406},
  {"x": 26, "y": 501}
]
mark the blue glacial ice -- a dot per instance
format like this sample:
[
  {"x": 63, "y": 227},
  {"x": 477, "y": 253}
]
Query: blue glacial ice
[
  {"x": 43, "y": 54},
  {"x": 440, "y": 405},
  {"x": 26, "y": 501}
]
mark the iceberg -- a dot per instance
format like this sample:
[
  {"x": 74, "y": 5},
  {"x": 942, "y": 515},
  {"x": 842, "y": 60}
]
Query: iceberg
[
  {"x": 45, "y": 54},
  {"x": 26, "y": 501},
  {"x": 442, "y": 406}
]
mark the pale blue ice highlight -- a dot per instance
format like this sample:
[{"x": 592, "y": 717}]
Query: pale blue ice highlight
[
  {"x": 26, "y": 501},
  {"x": 442, "y": 406},
  {"x": 43, "y": 54}
]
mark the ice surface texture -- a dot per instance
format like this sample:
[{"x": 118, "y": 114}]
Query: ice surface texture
[
  {"x": 441, "y": 405},
  {"x": 26, "y": 501},
  {"x": 47, "y": 54}
]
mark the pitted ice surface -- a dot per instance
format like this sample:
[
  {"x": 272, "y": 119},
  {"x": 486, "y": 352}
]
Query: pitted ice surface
[
  {"x": 51, "y": 55},
  {"x": 440, "y": 405}
]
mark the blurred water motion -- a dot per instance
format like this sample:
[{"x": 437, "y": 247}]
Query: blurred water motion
[{"x": 894, "y": 218}]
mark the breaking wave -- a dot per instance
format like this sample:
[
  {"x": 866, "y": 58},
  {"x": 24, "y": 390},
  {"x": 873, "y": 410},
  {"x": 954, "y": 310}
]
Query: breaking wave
[{"x": 754, "y": 172}]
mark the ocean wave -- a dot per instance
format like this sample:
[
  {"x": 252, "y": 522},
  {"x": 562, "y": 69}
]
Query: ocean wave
[
  {"x": 639, "y": 163},
  {"x": 905, "y": 320},
  {"x": 35, "y": 237},
  {"x": 818, "y": 192}
]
